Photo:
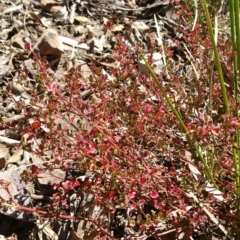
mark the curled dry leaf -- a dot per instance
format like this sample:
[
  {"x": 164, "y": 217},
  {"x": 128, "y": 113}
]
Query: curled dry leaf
[{"x": 39, "y": 19}]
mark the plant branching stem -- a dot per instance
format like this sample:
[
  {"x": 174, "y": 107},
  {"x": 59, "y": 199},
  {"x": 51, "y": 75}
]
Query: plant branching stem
[{"x": 61, "y": 216}]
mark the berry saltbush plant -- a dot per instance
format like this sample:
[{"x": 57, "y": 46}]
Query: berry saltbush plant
[{"x": 159, "y": 146}]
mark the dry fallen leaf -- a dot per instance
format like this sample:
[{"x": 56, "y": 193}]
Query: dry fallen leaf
[
  {"x": 12, "y": 9},
  {"x": 96, "y": 30},
  {"x": 117, "y": 27},
  {"x": 41, "y": 20},
  {"x": 140, "y": 26},
  {"x": 196, "y": 173},
  {"x": 6, "y": 62},
  {"x": 2, "y": 132},
  {"x": 80, "y": 29},
  {"x": 83, "y": 19},
  {"x": 68, "y": 41},
  {"x": 74, "y": 235},
  {"x": 100, "y": 43},
  {"x": 16, "y": 156},
  {"x": 157, "y": 62},
  {"x": 215, "y": 192},
  {"x": 8, "y": 140},
  {"x": 108, "y": 61}
]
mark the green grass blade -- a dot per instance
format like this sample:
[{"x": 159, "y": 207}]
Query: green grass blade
[{"x": 179, "y": 118}]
